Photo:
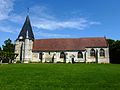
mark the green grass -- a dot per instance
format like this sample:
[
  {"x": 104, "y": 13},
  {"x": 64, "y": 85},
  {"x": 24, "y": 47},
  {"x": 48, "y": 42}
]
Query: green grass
[{"x": 60, "y": 77}]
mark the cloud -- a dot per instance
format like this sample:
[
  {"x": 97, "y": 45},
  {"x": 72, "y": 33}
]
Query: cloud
[
  {"x": 43, "y": 19},
  {"x": 6, "y": 16},
  {"x": 41, "y": 12},
  {"x": 19, "y": 19},
  {"x": 51, "y": 24},
  {"x": 53, "y": 35},
  {"x": 7, "y": 29},
  {"x": 6, "y": 6},
  {"x": 94, "y": 23}
]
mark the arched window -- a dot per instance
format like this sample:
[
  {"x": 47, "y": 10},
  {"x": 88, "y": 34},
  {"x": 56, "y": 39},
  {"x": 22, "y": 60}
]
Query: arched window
[
  {"x": 62, "y": 55},
  {"x": 80, "y": 55},
  {"x": 102, "y": 52},
  {"x": 92, "y": 52}
]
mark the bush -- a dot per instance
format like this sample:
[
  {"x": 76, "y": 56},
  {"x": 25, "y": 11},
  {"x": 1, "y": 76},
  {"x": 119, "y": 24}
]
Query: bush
[
  {"x": 18, "y": 62},
  {"x": 7, "y": 57}
]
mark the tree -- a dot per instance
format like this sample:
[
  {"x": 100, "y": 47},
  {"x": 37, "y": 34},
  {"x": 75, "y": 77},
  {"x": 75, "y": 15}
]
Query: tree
[
  {"x": 7, "y": 54},
  {"x": 7, "y": 57},
  {"x": 114, "y": 50},
  {"x": 0, "y": 49},
  {"x": 8, "y": 46}
]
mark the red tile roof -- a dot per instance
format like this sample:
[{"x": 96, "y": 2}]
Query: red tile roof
[{"x": 68, "y": 44}]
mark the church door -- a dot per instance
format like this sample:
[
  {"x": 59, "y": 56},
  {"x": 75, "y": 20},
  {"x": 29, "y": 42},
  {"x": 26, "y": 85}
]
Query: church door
[
  {"x": 96, "y": 56},
  {"x": 40, "y": 56},
  {"x": 53, "y": 58},
  {"x": 73, "y": 60}
]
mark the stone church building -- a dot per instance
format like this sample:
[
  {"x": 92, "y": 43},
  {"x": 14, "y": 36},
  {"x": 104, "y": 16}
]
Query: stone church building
[{"x": 65, "y": 50}]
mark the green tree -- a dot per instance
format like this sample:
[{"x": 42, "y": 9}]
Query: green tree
[
  {"x": 114, "y": 50},
  {"x": 7, "y": 54},
  {"x": 7, "y": 57},
  {"x": 0, "y": 49},
  {"x": 8, "y": 46}
]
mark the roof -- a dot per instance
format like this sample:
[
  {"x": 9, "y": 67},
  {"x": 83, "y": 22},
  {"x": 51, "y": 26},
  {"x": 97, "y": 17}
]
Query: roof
[
  {"x": 68, "y": 44},
  {"x": 26, "y": 29}
]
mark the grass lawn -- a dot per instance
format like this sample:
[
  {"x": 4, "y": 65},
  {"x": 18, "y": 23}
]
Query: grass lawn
[{"x": 60, "y": 77}]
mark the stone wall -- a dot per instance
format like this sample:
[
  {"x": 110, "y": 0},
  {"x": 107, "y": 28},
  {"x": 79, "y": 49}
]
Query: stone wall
[
  {"x": 98, "y": 58},
  {"x": 24, "y": 50},
  {"x": 73, "y": 55}
]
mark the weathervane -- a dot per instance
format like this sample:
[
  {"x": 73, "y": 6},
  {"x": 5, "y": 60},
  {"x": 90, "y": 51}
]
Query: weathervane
[{"x": 28, "y": 11}]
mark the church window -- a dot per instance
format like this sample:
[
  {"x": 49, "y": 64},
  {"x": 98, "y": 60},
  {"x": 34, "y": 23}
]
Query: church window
[
  {"x": 49, "y": 53},
  {"x": 102, "y": 52},
  {"x": 92, "y": 52},
  {"x": 62, "y": 55},
  {"x": 40, "y": 55},
  {"x": 80, "y": 55}
]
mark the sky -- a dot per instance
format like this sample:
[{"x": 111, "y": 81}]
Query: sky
[{"x": 61, "y": 18}]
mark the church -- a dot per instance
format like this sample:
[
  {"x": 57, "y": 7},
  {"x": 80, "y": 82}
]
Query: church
[{"x": 59, "y": 50}]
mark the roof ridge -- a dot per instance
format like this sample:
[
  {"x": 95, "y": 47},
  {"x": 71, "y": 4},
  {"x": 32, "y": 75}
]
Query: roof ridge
[{"x": 69, "y": 38}]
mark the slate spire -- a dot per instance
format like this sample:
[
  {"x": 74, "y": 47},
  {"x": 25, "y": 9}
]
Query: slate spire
[{"x": 26, "y": 31}]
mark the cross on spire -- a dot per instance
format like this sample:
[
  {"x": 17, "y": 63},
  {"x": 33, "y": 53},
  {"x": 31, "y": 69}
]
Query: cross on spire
[{"x": 28, "y": 11}]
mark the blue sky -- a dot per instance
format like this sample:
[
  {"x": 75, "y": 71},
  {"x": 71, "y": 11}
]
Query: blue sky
[{"x": 61, "y": 18}]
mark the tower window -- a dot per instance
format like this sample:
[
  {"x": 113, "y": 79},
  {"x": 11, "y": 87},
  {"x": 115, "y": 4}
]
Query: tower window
[{"x": 21, "y": 37}]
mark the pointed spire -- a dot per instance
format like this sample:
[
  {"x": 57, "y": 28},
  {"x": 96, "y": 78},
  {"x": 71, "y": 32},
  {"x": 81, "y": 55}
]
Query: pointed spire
[{"x": 26, "y": 31}]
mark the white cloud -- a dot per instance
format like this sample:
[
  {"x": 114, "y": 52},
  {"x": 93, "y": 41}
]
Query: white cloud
[
  {"x": 6, "y": 6},
  {"x": 53, "y": 35},
  {"x": 7, "y": 29},
  {"x": 93, "y": 22},
  {"x": 16, "y": 18},
  {"x": 43, "y": 19},
  {"x": 41, "y": 12},
  {"x": 51, "y": 24},
  {"x": 7, "y": 17}
]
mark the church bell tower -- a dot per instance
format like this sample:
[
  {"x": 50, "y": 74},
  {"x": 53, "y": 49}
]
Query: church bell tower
[{"x": 24, "y": 43}]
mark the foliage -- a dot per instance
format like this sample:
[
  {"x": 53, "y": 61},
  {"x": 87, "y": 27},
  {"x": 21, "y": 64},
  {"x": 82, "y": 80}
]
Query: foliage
[
  {"x": 7, "y": 57},
  {"x": 114, "y": 50},
  {"x": 60, "y": 77},
  {"x": 8, "y": 46},
  {"x": 0, "y": 49},
  {"x": 18, "y": 62},
  {"x": 7, "y": 54}
]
